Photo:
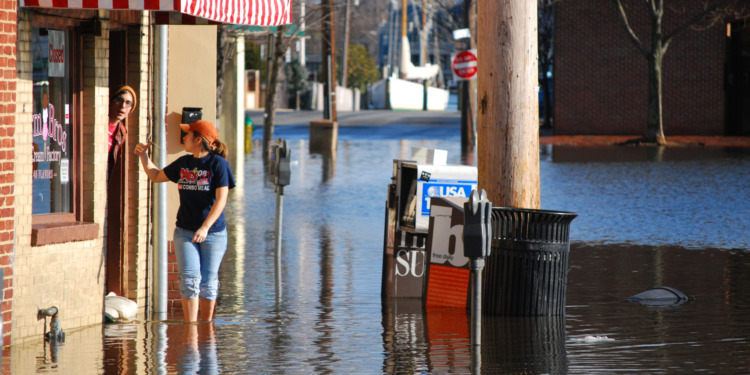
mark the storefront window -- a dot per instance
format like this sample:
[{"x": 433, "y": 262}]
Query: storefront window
[{"x": 52, "y": 122}]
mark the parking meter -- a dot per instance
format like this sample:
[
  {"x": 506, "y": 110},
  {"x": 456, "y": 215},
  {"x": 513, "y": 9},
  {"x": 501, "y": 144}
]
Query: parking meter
[
  {"x": 477, "y": 241},
  {"x": 280, "y": 172},
  {"x": 477, "y": 225}
]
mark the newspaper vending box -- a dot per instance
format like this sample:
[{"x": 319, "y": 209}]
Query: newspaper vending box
[{"x": 413, "y": 184}]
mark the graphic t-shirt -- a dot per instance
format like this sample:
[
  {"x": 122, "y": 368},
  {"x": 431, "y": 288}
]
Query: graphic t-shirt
[
  {"x": 112, "y": 128},
  {"x": 197, "y": 180}
]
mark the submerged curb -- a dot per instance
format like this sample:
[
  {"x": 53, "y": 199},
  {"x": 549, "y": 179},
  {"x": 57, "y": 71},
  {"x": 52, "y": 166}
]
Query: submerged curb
[{"x": 672, "y": 141}]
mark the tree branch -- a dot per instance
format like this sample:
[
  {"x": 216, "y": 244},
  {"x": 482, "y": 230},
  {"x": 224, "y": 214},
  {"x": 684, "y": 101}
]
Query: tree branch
[
  {"x": 629, "y": 29},
  {"x": 693, "y": 21}
]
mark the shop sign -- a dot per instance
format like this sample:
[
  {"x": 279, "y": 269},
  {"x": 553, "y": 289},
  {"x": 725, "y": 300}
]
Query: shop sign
[{"x": 56, "y": 53}]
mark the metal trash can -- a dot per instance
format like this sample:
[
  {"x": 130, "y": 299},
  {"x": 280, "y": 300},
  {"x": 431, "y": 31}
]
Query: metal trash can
[{"x": 527, "y": 272}]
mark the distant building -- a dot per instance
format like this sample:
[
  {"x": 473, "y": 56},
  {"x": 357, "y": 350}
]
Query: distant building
[{"x": 601, "y": 83}]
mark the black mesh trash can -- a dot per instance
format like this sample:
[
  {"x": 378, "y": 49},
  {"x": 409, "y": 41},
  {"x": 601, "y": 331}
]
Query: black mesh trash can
[{"x": 526, "y": 273}]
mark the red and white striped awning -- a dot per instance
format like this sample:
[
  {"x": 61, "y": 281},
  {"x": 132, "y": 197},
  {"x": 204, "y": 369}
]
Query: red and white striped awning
[{"x": 240, "y": 12}]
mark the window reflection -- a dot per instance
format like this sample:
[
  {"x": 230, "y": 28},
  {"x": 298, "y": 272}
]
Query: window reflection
[{"x": 52, "y": 128}]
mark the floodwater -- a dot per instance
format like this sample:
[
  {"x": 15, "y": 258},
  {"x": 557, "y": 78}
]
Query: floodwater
[{"x": 647, "y": 218}]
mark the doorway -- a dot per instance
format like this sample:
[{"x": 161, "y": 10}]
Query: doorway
[
  {"x": 738, "y": 80},
  {"x": 117, "y": 197}
]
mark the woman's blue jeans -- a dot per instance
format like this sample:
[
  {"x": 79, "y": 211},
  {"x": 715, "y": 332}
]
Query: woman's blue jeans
[{"x": 198, "y": 263}]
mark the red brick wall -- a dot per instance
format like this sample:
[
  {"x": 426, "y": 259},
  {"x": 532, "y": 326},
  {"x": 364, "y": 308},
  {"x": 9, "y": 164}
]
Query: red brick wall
[
  {"x": 174, "y": 300},
  {"x": 8, "y": 26},
  {"x": 601, "y": 78}
]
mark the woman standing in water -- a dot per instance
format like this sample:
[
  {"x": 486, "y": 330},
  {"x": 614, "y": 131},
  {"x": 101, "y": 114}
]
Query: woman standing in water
[{"x": 203, "y": 179}]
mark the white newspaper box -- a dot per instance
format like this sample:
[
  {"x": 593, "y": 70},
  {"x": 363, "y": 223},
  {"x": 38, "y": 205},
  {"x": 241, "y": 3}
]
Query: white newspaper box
[{"x": 418, "y": 183}]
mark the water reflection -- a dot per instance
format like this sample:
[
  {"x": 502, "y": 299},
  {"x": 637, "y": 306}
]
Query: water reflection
[
  {"x": 404, "y": 337},
  {"x": 159, "y": 347},
  {"x": 119, "y": 347},
  {"x": 328, "y": 170},
  {"x": 437, "y": 340},
  {"x": 323, "y": 328},
  {"x": 193, "y": 348},
  {"x": 524, "y": 345}
]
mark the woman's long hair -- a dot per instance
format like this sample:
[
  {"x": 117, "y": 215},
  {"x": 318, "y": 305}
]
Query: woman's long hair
[{"x": 218, "y": 147}]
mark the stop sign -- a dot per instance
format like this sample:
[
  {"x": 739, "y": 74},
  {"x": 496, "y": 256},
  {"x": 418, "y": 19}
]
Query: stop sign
[{"x": 464, "y": 65}]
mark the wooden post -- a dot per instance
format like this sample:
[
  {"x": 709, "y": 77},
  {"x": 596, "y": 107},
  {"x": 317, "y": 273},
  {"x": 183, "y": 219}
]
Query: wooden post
[
  {"x": 324, "y": 133},
  {"x": 329, "y": 42},
  {"x": 345, "y": 58},
  {"x": 423, "y": 36},
  {"x": 466, "y": 88},
  {"x": 401, "y": 71},
  {"x": 507, "y": 104}
]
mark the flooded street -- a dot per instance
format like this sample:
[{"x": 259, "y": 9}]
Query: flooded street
[{"x": 678, "y": 218}]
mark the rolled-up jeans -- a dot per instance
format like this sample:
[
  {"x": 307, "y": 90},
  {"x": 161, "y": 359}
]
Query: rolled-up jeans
[{"x": 198, "y": 263}]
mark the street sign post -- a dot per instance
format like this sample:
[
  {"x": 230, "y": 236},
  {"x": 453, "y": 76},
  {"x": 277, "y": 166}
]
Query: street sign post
[{"x": 464, "y": 65}]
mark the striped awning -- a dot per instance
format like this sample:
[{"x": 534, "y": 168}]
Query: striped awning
[{"x": 239, "y": 12}]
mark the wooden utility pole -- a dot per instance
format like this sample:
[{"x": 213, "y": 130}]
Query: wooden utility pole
[
  {"x": 345, "y": 58},
  {"x": 466, "y": 89},
  {"x": 423, "y": 36},
  {"x": 403, "y": 37},
  {"x": 507, "y": 103},
  {"x": 329, "y": 57},
  {"x": 324, "y": 133},
  {"x": 403, "y": 18}
]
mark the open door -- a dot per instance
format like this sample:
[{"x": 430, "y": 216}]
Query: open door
[{"x": 117, "y": 197}]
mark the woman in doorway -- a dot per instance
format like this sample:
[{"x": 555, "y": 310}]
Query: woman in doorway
[
  {"x": 121, "y": 105},
  {"x": 203, "y": 179}
]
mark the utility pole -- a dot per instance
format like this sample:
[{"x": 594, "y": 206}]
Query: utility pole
[
  {"x": 508, "y": 107},
  {"x": 324, "y": 133},
  {"x": 329, "y": 62},
  {"x": 467, "y": 88},
  {"x": 423, "y": 36},
  {"x": 302, "y": 52},
  {"x": 391, "y": 25},
  {"x": 403, "y": 34},
  {"x": 346, "y": 44}
]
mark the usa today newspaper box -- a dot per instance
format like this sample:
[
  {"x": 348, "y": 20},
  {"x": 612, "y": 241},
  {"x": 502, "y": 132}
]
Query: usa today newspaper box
[{"x": 414, "y": 183}]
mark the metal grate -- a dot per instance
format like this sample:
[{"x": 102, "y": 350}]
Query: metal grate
[{"x": 526, "y": 273}]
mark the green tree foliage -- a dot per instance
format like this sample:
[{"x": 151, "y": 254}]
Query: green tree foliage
[
  {"x": 253, "y": 60},
  {"x": 361, "y": 68}
]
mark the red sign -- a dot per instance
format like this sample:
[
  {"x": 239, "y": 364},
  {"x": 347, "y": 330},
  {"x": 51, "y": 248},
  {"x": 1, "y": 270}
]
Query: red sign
[{"x": 464, "y": 65}]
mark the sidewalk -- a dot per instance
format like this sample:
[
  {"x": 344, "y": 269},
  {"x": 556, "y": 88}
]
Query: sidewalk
[
  {"x": 372, "y": 117},
  {"x": 673, "y": 141}
]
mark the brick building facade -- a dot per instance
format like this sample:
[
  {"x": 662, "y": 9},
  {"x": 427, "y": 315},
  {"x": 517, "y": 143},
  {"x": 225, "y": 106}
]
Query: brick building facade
[
  {"x": 600, "y": 78},
  {"x": 58, "y": 70},
  {"x": 59, "y": 258},
  {"x": 7, "y": 159}
]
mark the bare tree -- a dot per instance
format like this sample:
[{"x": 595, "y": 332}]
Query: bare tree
[
  {"x": 282, "y": 40},
  {"x": 710, "y": 13},
  {"x": 269, "y": 113}
]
